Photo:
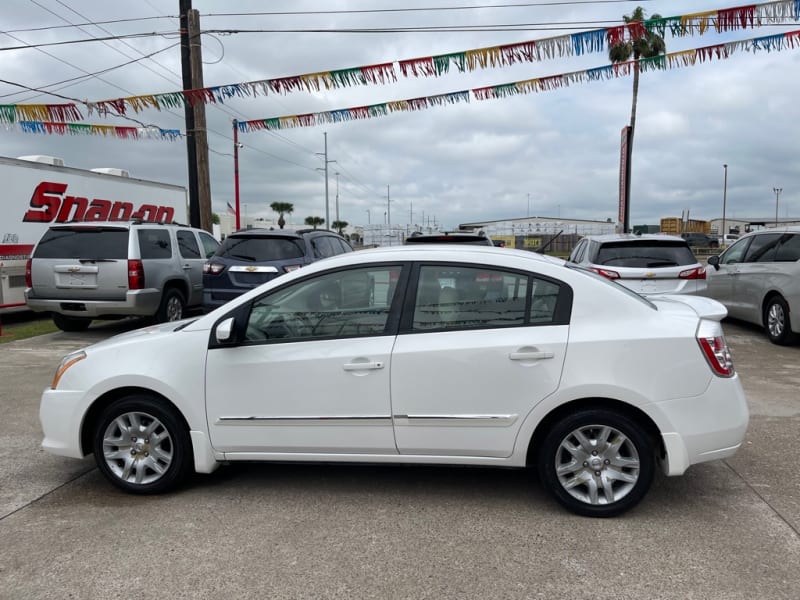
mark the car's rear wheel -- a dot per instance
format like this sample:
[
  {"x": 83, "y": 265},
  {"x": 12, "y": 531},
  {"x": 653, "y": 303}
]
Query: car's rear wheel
[
  {"x": 172, "y": 306},
  {"x": 142, "y": 445},
  {"x": 597, "y": 463},
  {"x": 71, "y": 323},
  {"x": 777, "y": 321}
]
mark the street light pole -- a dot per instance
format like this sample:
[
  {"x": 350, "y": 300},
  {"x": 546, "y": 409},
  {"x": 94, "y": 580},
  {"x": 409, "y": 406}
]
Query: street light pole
[
  {"x": 337, "y": 195},
  {"x": 724, "y": 202},
  {"x": 777, "y": 191}
]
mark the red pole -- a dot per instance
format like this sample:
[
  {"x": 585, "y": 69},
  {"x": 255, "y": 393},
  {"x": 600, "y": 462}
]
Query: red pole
[{"x": 236, "y": 170}]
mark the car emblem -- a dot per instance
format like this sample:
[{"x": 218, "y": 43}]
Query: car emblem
[
  {"x": 251, "y": 269},
  {"x": 73, "y": 270},
  {"x": 649, "y": 274}
]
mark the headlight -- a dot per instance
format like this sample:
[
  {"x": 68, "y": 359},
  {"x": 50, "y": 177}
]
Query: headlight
[{"x": 66, "y": 363}]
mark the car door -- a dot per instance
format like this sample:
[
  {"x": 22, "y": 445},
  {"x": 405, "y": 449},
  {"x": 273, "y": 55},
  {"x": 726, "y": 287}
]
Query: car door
[
  {"x": 754, "y": 277},
  {"x": 311, "y": 371},
  {"x": 479, "y": 348},
  {"x": 719, "y": 283},
  {"x": 191, "y": 260}
]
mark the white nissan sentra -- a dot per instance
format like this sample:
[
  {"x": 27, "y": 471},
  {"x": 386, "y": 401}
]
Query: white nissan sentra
[{"x": 415, "y": 354}]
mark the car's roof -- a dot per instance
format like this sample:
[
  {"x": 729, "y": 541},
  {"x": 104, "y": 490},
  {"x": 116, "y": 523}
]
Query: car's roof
[
  {"x": 441, "y": 252},
  {"x": 633, "y": 237},
  {"x": 782, "y": 229},
  {"x": 117, "y": 224}
]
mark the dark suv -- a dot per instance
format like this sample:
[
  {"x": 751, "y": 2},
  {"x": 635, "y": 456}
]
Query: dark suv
[
  {"x": 250, "y": 257},
  {"x": 700, "y": 240}
]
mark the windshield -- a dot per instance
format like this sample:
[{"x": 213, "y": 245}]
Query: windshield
[
  {"x": 645, "y": 254},
  {"x": 261, "y": 249},
  {"x": 81, "y": 242}
]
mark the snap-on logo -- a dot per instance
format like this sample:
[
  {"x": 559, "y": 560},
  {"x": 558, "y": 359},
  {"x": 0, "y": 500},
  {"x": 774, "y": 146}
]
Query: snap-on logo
[{"x": 50, "y": 203}]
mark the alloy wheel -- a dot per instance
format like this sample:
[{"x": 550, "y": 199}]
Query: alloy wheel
[{"x": 137, "y": 448}]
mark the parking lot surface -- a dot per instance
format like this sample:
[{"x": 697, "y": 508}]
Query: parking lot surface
[{"x": 725, "y": 530}]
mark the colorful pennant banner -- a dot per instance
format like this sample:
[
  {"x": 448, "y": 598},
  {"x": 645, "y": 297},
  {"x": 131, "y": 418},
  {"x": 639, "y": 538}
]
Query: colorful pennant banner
[
  {"x": 127, "y": 133},
  {"x": 12, "y": 113},
  {"x": 576, "y": 44},
  {"x": 672, "y": 60}
]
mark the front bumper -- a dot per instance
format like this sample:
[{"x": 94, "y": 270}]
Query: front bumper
[{"x": 61, "y": 416}]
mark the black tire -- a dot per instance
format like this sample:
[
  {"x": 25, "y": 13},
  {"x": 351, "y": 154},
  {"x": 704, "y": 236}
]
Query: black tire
[
  {"x": 172, "y": 307},
  {"x": 621, "y": 475},
  {"x": 777, "y": 322},
  {"x": 142, "y": 437},
  {"x": 71, "y": 324}
]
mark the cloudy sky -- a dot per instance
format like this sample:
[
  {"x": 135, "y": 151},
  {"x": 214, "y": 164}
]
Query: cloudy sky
[{"x": 553, "y": 153}]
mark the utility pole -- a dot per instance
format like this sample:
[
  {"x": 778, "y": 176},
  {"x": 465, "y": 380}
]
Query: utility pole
[
  {"x": 200, "y": 133},
  {"x": 191, "y": 148},
  {"x": 327, "y": 205},
  {"x": 236, "y": 171},
  {"x": 777, "y": 191},
  {"x": 337, "y": 195},
  {"x": 388, "y": 208},
  {"x": 724, "y": 203}
]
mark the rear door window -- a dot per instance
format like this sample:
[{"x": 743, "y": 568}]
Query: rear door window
[
  {"x": 648, "y": 254},
  {"x": 187, "y": 244},
  {"x": 86, "y": 243},
  {"x": 789, "y": 250},
  {"x": 154, "y": 243},
  {"x": 763, "y": 248}
]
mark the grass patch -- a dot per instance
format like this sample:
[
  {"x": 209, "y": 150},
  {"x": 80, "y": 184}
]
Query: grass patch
[{"x": 12, "y": 332}]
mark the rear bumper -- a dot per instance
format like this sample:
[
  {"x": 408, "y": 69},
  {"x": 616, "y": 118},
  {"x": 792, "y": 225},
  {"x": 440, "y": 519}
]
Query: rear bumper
[
  {"x": 703, "y": 428},
  {"x": 136, "y": 303}
]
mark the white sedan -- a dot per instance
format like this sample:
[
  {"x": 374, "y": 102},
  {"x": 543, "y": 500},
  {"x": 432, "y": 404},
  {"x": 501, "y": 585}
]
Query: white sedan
[{"x": 415, "y": 354}]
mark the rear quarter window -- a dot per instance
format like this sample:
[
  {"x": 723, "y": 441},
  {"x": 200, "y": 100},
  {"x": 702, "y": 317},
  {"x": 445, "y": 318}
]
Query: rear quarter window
[
  {"x": 87, "y": 243},
  {"x": 154, "y": 243}
]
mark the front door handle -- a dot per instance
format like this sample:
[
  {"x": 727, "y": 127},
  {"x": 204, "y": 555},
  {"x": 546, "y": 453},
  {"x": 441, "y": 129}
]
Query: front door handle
[
  {"x": 530, "y": 355},
  {"x": 362, "y": 366}
]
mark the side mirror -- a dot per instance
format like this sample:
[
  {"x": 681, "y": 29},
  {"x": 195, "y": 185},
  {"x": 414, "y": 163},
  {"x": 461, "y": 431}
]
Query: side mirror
[
  {"x": 714, "y": 262},
  {"x": 224, "y": 330}
]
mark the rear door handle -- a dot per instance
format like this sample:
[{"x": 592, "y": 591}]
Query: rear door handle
[
  {"x": 525, "y": 355},
  {"x": 363, "y": 366}
]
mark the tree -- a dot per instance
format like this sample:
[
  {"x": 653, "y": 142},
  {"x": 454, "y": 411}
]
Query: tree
[
  {"x": 645, "y": 44},
  {"x": 282, "y": 208},
  {"x": 339, "y": 225},
  {"x": 314, "y": 221},
  {"x": 215, "y": 218}
]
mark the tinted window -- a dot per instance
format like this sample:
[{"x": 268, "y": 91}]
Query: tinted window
[
  {"x": 578, "y": 252},
  {"x": 348, "y": 303},
  {"x": 187, "y": 244},
  {"x": 735, "y": 253},
  {"x": 154, "y": 243},
  {"x": 262, "y": 249},
  {"x": 210, "y": 244},
  {"x": 453, "y": 297},
  {"x": 763, "y": 247},
  {"x": 449, "y": 238},
  {"x": 789, "y": 250},
  {"x": 323, "y": 247},
  {"x": 648, "y": 254},
  {"x": 83, "y": 243}
]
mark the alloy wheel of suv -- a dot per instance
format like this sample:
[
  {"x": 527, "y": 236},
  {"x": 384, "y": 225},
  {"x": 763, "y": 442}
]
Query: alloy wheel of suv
[{"x": 776, "y": 321}]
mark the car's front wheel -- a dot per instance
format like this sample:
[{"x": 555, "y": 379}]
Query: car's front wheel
[
  {"x": 597, "y": 462},
  {"x": 142, "y": 445},
  {"x": 777, "y": 321}
]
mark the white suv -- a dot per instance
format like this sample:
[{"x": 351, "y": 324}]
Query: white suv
[
  {"x": 646, "y": 264},
  {"x": 82, "y": 271}
]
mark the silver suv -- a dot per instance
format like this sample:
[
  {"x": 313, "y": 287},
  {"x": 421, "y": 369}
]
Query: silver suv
[
  {"x": 758, "y": 280},
  {"x": 81, "y": 271}
]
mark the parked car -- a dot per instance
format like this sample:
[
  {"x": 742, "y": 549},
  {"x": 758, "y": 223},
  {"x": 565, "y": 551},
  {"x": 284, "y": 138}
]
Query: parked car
[
  {"x": 84, "y": 271},
  {"x": 646, "y": 264},
  {"x": 700, "y": 240},
  {"x": 758, "y": 280},
  {"x": 250, "y": 257},
  {"x": 450, "y": 355},
  {"x": 727, "y": 239},
  {"x": 450, "y": 237}
]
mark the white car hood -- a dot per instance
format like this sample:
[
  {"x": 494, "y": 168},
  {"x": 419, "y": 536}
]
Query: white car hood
[
  {"x": 706, "y": 308},
  {"x": 151, "y": 332}
]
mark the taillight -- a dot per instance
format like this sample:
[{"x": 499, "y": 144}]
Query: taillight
[
  {"x": 696, "y": 273},
  {"x": 715, "y": 348},
  {"x": 608, "y": 273},
  {"x": 290, "y": 268},
  {"x": 135, "y": 275},
  {"x": 213, "y": 268},
  {"x": 28, "y": 275}
]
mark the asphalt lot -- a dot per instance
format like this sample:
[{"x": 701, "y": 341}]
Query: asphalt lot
[{"x": 725, "y": 530}]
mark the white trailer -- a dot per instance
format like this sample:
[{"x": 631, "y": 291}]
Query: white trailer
[{"x": 38, "y": 191}]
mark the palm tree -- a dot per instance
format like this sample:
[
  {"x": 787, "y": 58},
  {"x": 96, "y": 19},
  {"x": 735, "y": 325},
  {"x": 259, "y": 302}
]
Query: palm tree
[
  {"x": 647, "y": 46},
  {"x": 281, "y": 208},
  {"x": 314, "y": 221},
  {"x": 339, "y": 225}
]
